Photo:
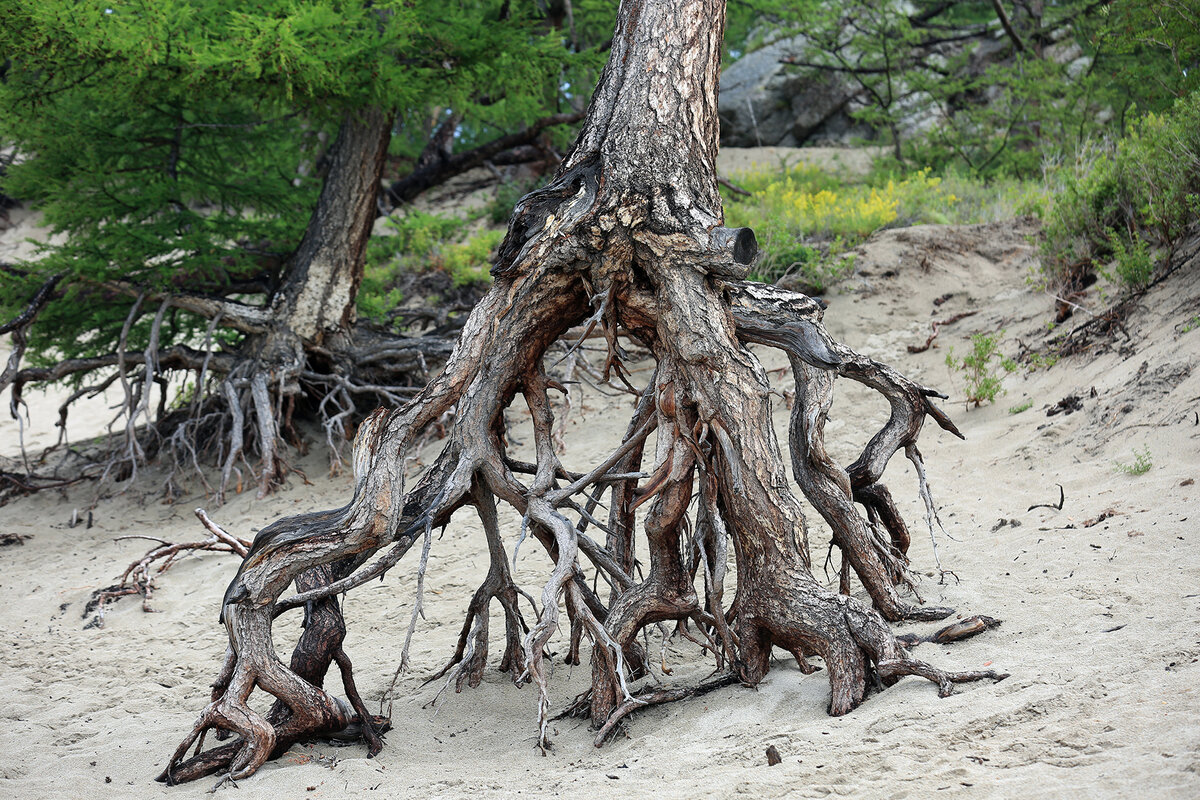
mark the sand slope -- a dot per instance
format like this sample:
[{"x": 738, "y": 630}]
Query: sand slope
[{"x": 1100, "y": 625}]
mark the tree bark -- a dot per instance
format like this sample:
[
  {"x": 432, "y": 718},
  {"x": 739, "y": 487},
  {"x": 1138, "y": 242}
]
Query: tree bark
[
  {"x": 313, "y": 311},
  {"x": 630, "y": 235},
  {"x": 317, "y": 298},
  {"x": 438, "y": 164}
]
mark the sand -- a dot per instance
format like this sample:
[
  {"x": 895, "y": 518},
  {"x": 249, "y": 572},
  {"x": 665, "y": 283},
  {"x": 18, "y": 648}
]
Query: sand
[{"x": 1099, "y": 630}]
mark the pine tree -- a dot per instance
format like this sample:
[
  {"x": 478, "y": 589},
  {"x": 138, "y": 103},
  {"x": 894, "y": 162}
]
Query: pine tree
[
  {"x": 996, "y": 86},
  {"x": 210, "y": 172}
]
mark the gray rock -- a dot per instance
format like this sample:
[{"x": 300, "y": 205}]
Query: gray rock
[{"x": 766, "y": 102}]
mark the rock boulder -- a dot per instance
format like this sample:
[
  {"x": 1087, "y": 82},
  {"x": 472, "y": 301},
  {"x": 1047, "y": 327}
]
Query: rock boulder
[{"x": 766, "y": 102}]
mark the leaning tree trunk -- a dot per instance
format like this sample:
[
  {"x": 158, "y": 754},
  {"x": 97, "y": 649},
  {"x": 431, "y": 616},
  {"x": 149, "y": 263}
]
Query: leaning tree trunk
[
  {"x": 629, "y": 235},
  {"x": 317, "y": 299},
  {"x": 312, "y": 313},
  {"x": 301, "y": 343}
]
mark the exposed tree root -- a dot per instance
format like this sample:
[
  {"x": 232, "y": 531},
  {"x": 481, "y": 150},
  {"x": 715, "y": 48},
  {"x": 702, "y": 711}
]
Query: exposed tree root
[
  {"x": 470, "y": 657},
  {"x": 658, "y": 697},
  {"x": 963, "y": 629},
  {"x": 138, "y": 577},
  {"x": 628, "y": 237},
  {"x": 231, "y": 405}
]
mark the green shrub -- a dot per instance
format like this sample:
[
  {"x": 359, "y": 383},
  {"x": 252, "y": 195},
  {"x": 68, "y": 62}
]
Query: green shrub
[
  {"x": 377, "y": 297},
  {"x": 807, "y": 218},
  {"x": 421, "y": 242},
  {"x": 468, "y": 262},
  {"x": 1141, "y": 463},
  {"x": 415, "y": 233},
  {"x": 1120, "y": 203},
  {"x": 981, "y": 367},
  {"x": 1134, "y": 264}
]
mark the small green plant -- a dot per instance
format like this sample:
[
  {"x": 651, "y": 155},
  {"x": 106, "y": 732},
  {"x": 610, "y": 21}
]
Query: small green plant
[
  {"x": 1141, "y": 463},
  {"x": 981, "y": 367},
  {"x": 1019, "y": 407},
  {"x": 467, "y": 262},
  {"x": 376, "y": 297},
  {"x": 1042, "y": 361},
  {"x": 1191, "y": 324},
  {"x": 1133, "y": 262},
  {"x": 417, "y": 242}
]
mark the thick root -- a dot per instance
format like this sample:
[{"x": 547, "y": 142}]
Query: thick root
[{"x": 309, "y": 712}]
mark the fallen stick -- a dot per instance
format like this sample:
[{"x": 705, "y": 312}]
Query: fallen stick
[{"x": 912, "y": 348}]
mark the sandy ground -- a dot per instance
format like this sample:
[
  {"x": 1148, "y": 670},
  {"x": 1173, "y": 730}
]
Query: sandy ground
[{"x": 1100, "y": 627}]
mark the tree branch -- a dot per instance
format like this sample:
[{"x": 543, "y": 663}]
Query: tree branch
[
  {"x": 19, "y": 328},
  {"x": 40, "y": 298},
  {"x": 440, "y": 170},
  {"x": 1002, "y": 15},
  {"x": 176, "y": 357},
  {"x": 241, "y": 317}
]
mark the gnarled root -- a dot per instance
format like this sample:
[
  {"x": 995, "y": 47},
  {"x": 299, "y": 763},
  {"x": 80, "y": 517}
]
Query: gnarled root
[
  {"x": 627, "y": 236},
  {"x": 668, "y": 592},
  {"x": 470, "y": 657},
  {"x": 658, "y": 697},
  {"x": 876, "y": 546},
  {"x": 314, "y": 715},
  {"x": 852, "y": 639},
  {"x": 312, "y": 711},
  {"x": 714, "y": 434}
]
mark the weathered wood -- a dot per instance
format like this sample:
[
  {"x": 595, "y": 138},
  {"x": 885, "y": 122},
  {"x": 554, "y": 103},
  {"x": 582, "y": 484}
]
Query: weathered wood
[
  {"x": 628, "y": 235},
  {"x": 437, "y": 165},
  {"x": 324, "y": 273}
]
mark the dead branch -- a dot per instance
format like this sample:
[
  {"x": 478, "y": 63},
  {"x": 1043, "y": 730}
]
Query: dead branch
[
  {"x": 438, "y": 170},
  {"x": 912, "y": 348}
]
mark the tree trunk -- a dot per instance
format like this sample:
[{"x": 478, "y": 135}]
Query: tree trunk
[
  {"x": 629, "y": 234},
  {"x": 312, "y": 313},
  {"x": 317, "y": 298}
]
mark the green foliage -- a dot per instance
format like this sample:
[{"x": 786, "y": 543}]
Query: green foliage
[
  {"x": 1140, "y": 465},
  {"x": 415, "y": 243},
  {"x": 468, "y": 262},
  {"x": 1035, "y": 112},
  {"x": 981, "y": 368},
  {"x": 806, "y": 218},
  {"x": 1041, "y": 361},
  {"x": 1020, "y": 407},
  {"x": 176, "y": 145},
  {"x": 1118, "y": 203},
  {"x": 948, "y": 86},
  {"x": 1152, "y": 49},
  {"x": 749, "y": 24},
  {"x": 1133, "y": 264},
  {"x": 415, "y": 233}
]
